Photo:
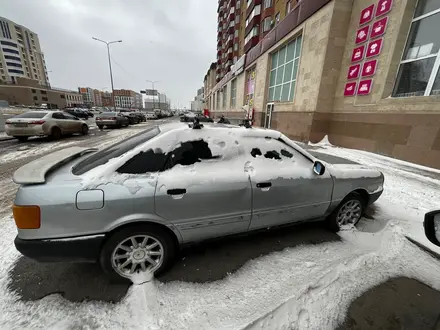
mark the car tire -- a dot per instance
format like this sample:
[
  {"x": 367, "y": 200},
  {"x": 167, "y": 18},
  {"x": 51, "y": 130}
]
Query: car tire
[
  {"x": 157, "y": 234},
  {"x": 346, "y": 212},
  {"x": 22, "y": 138},
  {"x": 84, "y": 129},
  {"x": 55, "y": 134},
  {"x": 100, "y": 126}
]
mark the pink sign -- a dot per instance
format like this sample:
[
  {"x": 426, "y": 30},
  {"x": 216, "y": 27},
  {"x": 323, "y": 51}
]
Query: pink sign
[
  {"x": 379, "y": 27},
  {"x": 362, "y": 34},
  {"x": 369, "y": 68},
  {"x": 366, "y": 15},
  {"x": 374, "y": 48},
  {"x": 383, "y": 7},
  {"x": 358, "y": 54},
  {"x": 350, "y": 89},
  {"x": 353, "y": 71},
  {"x": 365, "y": 87}
]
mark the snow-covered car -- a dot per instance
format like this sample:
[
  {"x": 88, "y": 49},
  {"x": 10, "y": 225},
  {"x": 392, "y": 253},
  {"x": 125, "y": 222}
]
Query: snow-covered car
[
  {"x": 131, "y": 205},
  {"x": 54, "y": 124}
]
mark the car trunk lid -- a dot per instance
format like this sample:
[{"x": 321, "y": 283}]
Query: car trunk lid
[{"x": 35, "y": 172}]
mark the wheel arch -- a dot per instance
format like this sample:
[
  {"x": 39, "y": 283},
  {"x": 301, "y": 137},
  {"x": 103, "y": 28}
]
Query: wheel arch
[{"x": 363, "y": 193}]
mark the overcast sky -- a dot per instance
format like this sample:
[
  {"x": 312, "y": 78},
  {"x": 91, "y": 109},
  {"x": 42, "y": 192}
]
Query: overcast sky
[{"x": 173, "y": 41}]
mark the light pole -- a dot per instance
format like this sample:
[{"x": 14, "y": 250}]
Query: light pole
[
  {"x": 110, "y": 65},
  {"x": 152, "y": 84}
]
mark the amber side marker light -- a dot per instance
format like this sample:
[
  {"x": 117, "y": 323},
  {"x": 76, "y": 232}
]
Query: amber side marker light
[{"x": 26, "y": 217}]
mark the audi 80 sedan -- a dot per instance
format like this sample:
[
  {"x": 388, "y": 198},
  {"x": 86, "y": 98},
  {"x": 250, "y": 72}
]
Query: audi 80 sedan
[{"x": 132, "y": 205}]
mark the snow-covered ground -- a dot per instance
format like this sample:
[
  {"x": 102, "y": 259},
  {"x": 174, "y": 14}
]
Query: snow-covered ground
[{"x": 306, "y": 287}]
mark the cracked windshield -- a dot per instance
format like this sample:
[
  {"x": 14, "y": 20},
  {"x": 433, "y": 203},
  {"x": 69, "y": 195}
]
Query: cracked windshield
[{"x": 220, "y": 164}]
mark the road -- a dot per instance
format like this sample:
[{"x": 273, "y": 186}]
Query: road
[{"x": 400, "y": 303}]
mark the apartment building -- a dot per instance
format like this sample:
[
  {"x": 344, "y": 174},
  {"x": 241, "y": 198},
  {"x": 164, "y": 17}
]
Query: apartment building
[
  {"x": 364, "y": 72},
  {"x": 242, "y": 24},
  {"x": 88, "y": 95},
  {"x": 125, "y": 98},
  {"x": 97, "y": 98},
  {"x": 20, "y": 54}
]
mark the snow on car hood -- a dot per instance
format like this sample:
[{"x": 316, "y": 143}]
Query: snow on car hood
[{"x": 351, "y": 171}]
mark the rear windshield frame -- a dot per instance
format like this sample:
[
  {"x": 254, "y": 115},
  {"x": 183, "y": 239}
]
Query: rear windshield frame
[
  {"x": 32, "y": 115},
  {"x": 101, "y": 157}
]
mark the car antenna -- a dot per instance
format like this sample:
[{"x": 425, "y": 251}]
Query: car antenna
[{"x": 196, "y": 124}]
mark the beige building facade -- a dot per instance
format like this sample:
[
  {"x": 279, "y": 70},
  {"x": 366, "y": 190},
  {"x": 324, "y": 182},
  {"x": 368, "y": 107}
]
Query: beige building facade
[
  {"x": 304, "y": 78},
  {"x": 20, "y": 54}
]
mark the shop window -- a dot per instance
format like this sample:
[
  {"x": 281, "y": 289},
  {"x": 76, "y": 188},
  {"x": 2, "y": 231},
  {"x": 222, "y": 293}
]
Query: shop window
[
  {"x": 233, "y": 92},
  {"x": 224, "y": 96},
  {"x": 283, "y": 73},
  {"x": 419, "y": 69}
]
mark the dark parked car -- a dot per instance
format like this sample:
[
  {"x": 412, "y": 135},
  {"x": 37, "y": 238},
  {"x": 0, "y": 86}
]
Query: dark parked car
[
  {"x": 142, "y": 116},
  {"x": 78, "y": 113},
  {"x": 111, "y": 119},
  {"x": 189, "y": 117}
]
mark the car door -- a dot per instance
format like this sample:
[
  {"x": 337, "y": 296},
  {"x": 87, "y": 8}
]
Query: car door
[
  {"x": 62, "y": 122},
  {"x": 284, "y": 187},
  {"x": 204, "y": 192},
  {"x": 74, "y": 123}
]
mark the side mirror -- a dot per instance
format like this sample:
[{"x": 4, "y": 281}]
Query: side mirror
[
  {"x": 318, "y": 168},
  {"x": 432, "y": 227}
]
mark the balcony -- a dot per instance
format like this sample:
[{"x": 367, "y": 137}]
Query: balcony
[
  {"x": 251, "y": 6},
  {"x": 252, "y": 23},
  {"x": 251, "y": 43},
  {"x": 232, "y": 13}
]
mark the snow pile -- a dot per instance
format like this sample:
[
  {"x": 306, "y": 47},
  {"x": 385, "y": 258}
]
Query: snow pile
[{"x": 324, "y": 142}]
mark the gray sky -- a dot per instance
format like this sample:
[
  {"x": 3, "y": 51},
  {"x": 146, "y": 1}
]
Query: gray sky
[{"x": 173, "y": 41}]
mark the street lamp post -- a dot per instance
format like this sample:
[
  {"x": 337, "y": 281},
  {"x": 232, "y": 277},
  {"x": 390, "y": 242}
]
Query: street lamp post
[
  {"x": 110, "y": 65},
  {"x": 152, "y": 84}
]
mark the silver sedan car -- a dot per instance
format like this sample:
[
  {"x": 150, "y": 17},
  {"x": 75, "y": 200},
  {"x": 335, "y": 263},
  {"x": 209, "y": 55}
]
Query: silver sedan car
[
  {"x": 54, "y": 124},
  {"x": 130, "y": 206}
]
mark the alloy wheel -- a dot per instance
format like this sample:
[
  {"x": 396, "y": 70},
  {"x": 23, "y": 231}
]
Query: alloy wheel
[
  {"x": 140, "y": 253},
  {"x": 349, "y": 213}
]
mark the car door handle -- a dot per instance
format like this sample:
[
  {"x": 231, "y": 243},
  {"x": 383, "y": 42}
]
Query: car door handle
[
  {"x": 176, "y": 191},
  {"x": 264, "y": 184}
]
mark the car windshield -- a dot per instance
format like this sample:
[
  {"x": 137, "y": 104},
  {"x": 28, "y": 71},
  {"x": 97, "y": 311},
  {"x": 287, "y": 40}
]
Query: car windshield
[
  {"x": 32, "y": 114},
  {"x": 103, "y": 156}
]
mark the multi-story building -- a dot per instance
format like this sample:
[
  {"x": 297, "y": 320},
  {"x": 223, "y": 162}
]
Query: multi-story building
[
  {"x": 125, "y": 98},
  {"x": 364, "y": 72},
  {"x": 88, "y": 95},
  {"x": 242, "y": 24},
  {"x": 97, "y": 98},
  {"x": 198, "y": 104},
  {"x": 107, "y": 99},
  {"x": 156, "y": 100},
  {"x": 20, "y": 54},
  {"x": 29, "y": 92}
]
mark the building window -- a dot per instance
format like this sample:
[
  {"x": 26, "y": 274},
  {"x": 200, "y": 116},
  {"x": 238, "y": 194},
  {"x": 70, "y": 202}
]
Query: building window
[
  {"x": 256, "y": 11},
  {"x": 33, "y": 91},
  {"x": 43, "y": 92},
  {"x": 15, "y": 71},
  {"x": 12, "y": 51},
  {"x": 250, "y": 87},
  {"x": 267, "y": 24},
  {"x": 253, "y": 33},
  {"x": 8, "y": 43},
  {"x": 62, "y": 96},
  {"x": 289, "y": 6},
  {"x": 44, "y": 98},
  {"x": 217, "y": 99},
  {"x": 419, "y": 73},
  {"x": 248, "y": 3},
  {"x": 284, "y": 69},
  {"x": 17, "y": 65},
  {"x": 15, "y": 58},
  {"x": 267, "y": 4},
  {"x": 233, "y": 92},
  {"x": 35, "y": 98},
  {"x": 277, "y": 18}
]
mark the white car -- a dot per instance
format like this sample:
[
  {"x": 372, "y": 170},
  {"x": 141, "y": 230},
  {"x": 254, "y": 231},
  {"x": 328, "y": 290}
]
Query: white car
[{"x": 150, "y": 115}]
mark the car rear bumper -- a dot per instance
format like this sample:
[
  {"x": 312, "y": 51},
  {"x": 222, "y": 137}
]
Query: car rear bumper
[
  {"x": 36, "y": 130},
  {"x": 76, "y": 249},
  {"x": 106, "y": 122}
]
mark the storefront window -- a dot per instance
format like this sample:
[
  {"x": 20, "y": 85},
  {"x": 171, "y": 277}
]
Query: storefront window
[
  {"x": 250, "y": 87},
  {"x": 224, "y": 96},
  {"x": 283, "y": 73},
  {"x": 233, "y": 92},
  {"x": 418, "y": 72}
]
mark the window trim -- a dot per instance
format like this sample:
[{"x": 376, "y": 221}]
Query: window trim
[{"x": 435, "y": 67}]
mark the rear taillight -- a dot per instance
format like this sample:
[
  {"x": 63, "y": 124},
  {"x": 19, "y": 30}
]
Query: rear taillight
[
  {"x": 26, "y": 217},
  {"x": 37, "y": 122}
]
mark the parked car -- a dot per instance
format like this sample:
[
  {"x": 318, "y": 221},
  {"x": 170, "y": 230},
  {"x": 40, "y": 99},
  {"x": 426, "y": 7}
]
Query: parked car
[
  {"x": 78, "y": 113},
  {"x": 130, "y": 206},
  {"x": 54, "y": 124},
  {"x": 150, "y": 116},
  {"x": 132, "y": 117},
  {"x": 142, "y": 116},
  {"x": 111, "y": 119},
  {"x": 189, "y": 117}
]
